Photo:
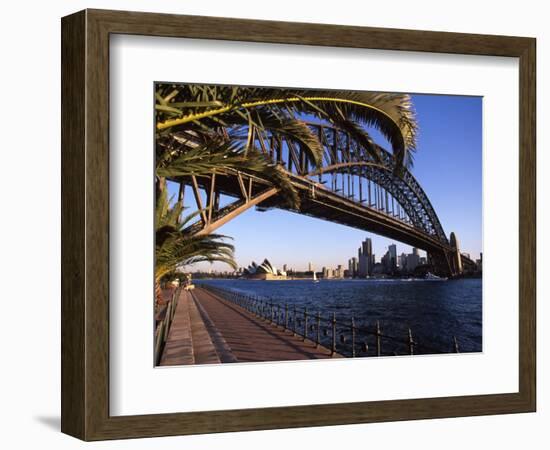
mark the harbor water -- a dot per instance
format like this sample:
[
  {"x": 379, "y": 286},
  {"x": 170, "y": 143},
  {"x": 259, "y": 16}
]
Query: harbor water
[{"x": 436, "y": 312}]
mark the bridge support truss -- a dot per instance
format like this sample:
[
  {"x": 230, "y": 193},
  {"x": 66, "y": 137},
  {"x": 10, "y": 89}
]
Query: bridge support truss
[{"x": 350, "y": 187}]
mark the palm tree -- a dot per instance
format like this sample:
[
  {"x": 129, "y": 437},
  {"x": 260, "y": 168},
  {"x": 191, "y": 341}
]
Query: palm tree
[
  {"x": 175, "y": 249},
  {"x": 204, "y": 110}
]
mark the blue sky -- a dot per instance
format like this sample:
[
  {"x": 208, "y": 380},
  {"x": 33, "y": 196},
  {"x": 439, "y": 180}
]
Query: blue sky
[{"x": 447, "y": 165}]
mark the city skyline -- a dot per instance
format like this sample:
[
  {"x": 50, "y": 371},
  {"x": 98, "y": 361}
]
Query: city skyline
[
  {"x": 401, "y": 256},
  {"x": 447, "y": 165}
]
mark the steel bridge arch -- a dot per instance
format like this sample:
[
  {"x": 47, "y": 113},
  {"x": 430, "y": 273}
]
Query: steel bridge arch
[
  {"x": 341, "y": 156},
  {"x": 403, "y": 186}
]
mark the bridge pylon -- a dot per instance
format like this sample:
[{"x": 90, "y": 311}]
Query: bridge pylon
[
  {"x": 448, "y": 262},
  {"x": 454, "y": 257}
]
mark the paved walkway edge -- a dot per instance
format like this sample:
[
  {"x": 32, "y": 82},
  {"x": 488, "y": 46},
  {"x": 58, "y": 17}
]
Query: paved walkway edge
[
  {"x": 222, "y": 347},
  {"x": 178, "y": 349}
]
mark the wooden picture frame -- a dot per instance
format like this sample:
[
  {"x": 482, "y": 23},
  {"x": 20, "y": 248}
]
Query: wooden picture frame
[{"x": 85, "y": 224}]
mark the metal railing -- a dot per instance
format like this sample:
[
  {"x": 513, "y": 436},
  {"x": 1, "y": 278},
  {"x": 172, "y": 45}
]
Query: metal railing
[
  {"x": 162, "y": 327},
  {"x": 338, "y": 336}
]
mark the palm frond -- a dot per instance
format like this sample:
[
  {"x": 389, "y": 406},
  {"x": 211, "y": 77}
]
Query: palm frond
[
  {"x": 392, "y": 114},
  {"x": 174, "y": 248},
  {"x": 180, "y": 250},
  {"x": 219, "y": 155},
  {"x": 267, "y": 122},
  {"x": 293, "y": 129}
]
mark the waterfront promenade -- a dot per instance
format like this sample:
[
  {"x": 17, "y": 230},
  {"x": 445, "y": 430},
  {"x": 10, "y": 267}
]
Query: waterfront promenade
[{"x": 207, "y": 329}]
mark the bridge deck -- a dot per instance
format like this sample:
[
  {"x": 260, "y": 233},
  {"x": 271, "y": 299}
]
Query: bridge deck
[{"x": 234, "y": 334}]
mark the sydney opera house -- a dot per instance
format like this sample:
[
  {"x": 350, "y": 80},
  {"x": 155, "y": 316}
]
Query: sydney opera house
[{"x": 264, "y": 271}]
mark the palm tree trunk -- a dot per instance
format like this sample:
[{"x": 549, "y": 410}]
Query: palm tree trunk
[
  {"x": 160, "y": 186},
  {"x": 158, "y": 297}
]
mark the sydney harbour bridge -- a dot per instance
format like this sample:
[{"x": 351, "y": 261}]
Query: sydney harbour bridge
[{"x": 350, "y": 187}]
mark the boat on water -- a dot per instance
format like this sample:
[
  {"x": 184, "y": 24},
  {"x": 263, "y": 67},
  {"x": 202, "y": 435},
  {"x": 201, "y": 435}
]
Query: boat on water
[
  {"x": 315, "y": 280},
  {"x": 431, "y": 277}
]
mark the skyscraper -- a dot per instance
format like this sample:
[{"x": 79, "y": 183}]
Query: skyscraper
[
  {"x": 386, "y": 262},
  {"x": 413, "y": 260},
  {"x": 479, "y": 262},
  {"x": 403, "y": 261},
  {"x": 365, "y": 258},
  {"x": 353, "y": 267},
  {"x": 392, "y": 250}
]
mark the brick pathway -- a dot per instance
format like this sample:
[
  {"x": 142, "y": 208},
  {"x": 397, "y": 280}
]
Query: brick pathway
[
  {"x": 179, "y": 345},
  {"x": 250, "y": 338}
]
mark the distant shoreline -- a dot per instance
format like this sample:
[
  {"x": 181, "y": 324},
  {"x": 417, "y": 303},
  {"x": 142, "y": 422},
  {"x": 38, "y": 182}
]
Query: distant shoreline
[{"x": 324, "y": 280}]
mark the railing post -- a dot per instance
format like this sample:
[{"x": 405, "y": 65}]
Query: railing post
[
  {"x": 411, "y": 343},
  {"x": 168, "y": 314},
  {"x": 286, "y": 316},
  {"x": 318, "y": 328},
  {"x": 456, "y": 345},
  {"x": 305, "y": 324},
  {"x": 378, "y": 349},
  {"x": 352, "y": 337},
  {"x": 333, "y": 347},
  {"x": 294, "y": 322},
  {"x": 158, "y": 342}
]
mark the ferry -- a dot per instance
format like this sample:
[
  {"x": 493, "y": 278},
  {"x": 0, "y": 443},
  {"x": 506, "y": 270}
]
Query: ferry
[{"x": 431, "y": 277}]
